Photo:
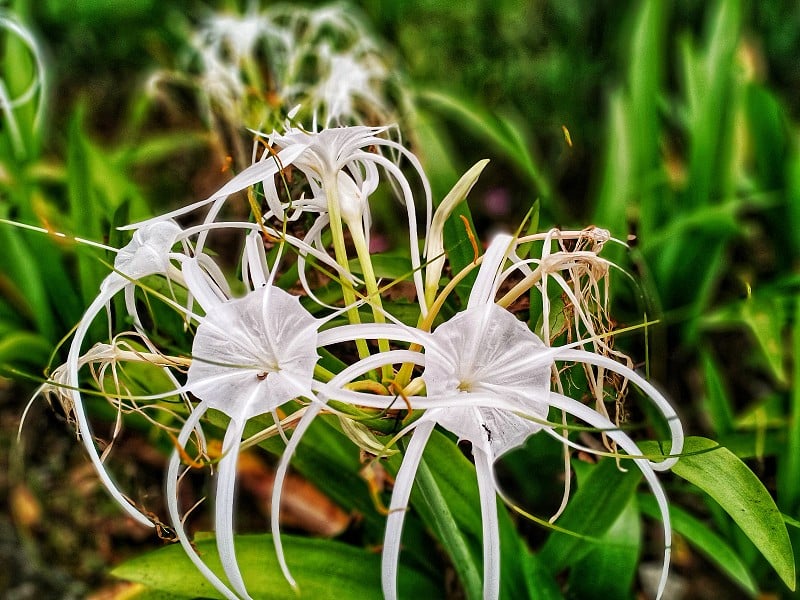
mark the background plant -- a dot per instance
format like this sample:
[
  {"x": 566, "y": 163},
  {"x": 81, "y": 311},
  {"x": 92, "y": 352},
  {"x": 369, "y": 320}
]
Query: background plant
[{"x": 682, "y": 123}]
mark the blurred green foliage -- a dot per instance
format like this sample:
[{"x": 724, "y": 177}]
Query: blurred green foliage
[{"x": 683, "y": 139}]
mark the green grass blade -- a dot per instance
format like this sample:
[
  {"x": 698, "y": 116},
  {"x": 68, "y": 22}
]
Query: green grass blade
[
  {"x": 788, "y": 480},
  {"x": 716, "y": 401}
]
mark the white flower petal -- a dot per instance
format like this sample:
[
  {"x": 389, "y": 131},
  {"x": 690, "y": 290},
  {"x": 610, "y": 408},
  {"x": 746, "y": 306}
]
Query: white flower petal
[
  {"x": 174, "y": 510},
  {"x": 595, "y": 419},
  {"x": 224, "y": 501},
  {"x": 398, "y": 506},
  {"x": 676, "y": 429},
  {"x": 277, "y": 487},
  {"x": 491, "y": 527},
  {"x": 243, "y": 347}
]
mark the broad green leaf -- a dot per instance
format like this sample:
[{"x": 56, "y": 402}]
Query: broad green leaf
[
  {"x": 443, "y": 520},
  {"x": 140, "y": 592},
  {"x": 724, "y": 477},
  {"x": 324, "y": 569},
  {"x": 609, "y": 569},
  {"x": 598, "y": 503},
  {"x": 702, "y": 537},
  {"x": 538, "y": 579}
]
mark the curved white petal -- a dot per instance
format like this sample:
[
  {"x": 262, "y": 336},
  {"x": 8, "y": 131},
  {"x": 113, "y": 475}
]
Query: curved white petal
[
  {"x": 676, "y": 429},
  {"x": 491, "y": 527},
  {"x": 174, "y": 510},
  {"x": 251, "y": 175},
  {"x": 224, "y": 501},
  {"x": 398, "y": 506},
  {"x": 595, "y": 419},
  {"x": 84, "y": 428},
  {"x": 277, "y": 487},
  {"x": 485, "y": 286}
]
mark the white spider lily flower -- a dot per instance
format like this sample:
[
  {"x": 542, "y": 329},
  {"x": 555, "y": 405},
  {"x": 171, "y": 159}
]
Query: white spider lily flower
[
  {"x": 350, "y": 79},
  {"x": 341, "y": 172},
  {"x": 224, "y": 44},
  {"x": 250, "y": 356},
  {"x": 253, "y": 66},
  {"x": 148, "y": 253},
  {"x": 484, "y": 355}
]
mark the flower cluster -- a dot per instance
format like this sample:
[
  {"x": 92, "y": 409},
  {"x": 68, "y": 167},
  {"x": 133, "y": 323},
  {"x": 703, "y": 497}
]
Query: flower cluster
[
  {"x": 319, "y": 63},
  {"x": 482, "y": 374}
]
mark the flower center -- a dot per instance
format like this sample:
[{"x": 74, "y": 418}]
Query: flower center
[
  {"x": 466, "y": 385},
  {"x": 266, "y": 370}
]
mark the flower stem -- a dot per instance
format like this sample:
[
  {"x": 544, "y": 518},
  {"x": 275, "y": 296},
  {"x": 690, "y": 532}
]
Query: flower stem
[
  {"x": 373, "y": 293},
  {"x": 340, "y": 252},
  {"x": 453, "y": 540}
]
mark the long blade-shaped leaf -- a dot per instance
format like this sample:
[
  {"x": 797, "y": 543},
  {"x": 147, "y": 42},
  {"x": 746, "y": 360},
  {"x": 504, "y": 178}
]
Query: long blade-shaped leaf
[
  {"x": 723, "y": 476},
  {"x": 324, "y": 569}
]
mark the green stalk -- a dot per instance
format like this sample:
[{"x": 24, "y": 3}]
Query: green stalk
[
  {"x": 449, "y": 534},
  {"x": 340, "y": 252},
  {"x": 373, "y": 293}
]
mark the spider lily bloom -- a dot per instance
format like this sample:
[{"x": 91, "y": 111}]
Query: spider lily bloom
[
  {"x": 341, "y": 174},
  {"x": 148, "y": 253},
  {"x": 250, "y": 356},
  {"x": 493, "y": 373}
]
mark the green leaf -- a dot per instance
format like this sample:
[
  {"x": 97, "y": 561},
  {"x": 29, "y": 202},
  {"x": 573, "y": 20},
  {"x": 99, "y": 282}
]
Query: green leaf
[
  {"x": 84, "y": 208},
  {"x": 446, "y": 497},
  {"x": 609, "y": 569},
  {"x": 538, "y": 580},
  {"x": 159, "y": 148},
  {"x": 443, "y": 520},
  {"x": 24, "y": 347},
  {"x": 20, "y": 279},
  {"x": 724, "y": 477},
  {"x": 700, "y": 535},
  {"x": 324, "y": 569},
  {"x": 716, "y": 401},
  {"x": 141, "y": 592},
  {"x": 789, "y": 457},
  {"x": 387, "y": 265},
  {"x": 765, "y": 318},
  {"x": 598, "y": 503},
  {"x": 498, "y": 130}
]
